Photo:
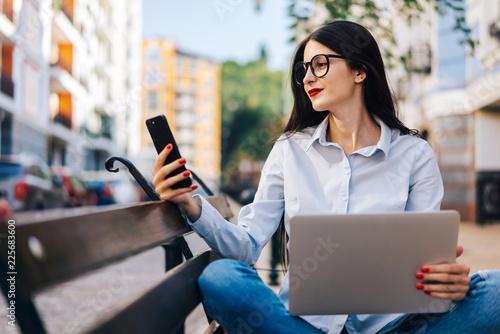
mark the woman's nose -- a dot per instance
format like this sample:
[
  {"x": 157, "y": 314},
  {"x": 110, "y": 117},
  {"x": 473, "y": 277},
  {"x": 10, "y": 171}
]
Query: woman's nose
[{"x": 309, "y": 77}]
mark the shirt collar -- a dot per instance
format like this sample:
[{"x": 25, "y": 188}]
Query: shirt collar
[
  {"x": 384, "y": 143},
  {"x": 319, "y": 133}
]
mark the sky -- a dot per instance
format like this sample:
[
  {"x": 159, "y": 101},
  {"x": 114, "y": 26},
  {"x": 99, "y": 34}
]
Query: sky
[{"x": 223, "y": 29}]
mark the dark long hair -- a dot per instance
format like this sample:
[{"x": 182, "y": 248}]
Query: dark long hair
[{"x": 354, "y": 42}]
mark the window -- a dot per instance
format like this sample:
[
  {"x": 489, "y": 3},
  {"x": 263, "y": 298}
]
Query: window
[
  {"x": 452, "y": 55},
  {"x": 152, "y": 101},
  {"x": 474, "y": 66},
  {"x": 153, "y": 77},
  {"x": 153, "y": 52}
]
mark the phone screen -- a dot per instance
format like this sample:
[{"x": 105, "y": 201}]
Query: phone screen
[{"x": 162, "y": 136}]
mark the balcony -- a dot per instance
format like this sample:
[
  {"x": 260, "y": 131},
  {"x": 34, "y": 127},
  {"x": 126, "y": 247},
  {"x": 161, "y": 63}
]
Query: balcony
[
  {"x": 184, "y": 119},
  {"x": 63, "y": 120},
  {"x": 62, "y": 82},
  {"x": 8, "y": 9},
  {"x": 103, "y": 70},
  {"x": 104, "y": 29},
  {"x": 64, "y": 64},
  {"x": 64, "y": 32},
  {"x": 185, "y": 136},
  {"x": 62, "y": 56},
  {"x": 65, "y": 6},
  {"x": 7, "y": 85}
]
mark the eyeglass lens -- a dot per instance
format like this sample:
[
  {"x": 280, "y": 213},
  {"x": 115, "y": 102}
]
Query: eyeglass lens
[{"x": 319, "y": 67}]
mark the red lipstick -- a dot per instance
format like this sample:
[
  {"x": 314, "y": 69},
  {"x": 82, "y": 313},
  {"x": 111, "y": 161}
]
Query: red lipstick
[{"x": 314, "y": 91}]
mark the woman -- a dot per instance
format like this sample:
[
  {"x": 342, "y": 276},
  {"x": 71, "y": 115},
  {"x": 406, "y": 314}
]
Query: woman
[{"x": 342, "y": 151}]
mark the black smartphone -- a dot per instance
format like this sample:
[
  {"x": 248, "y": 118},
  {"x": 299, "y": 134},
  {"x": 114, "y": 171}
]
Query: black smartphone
[{"x": 162, "y": 136}]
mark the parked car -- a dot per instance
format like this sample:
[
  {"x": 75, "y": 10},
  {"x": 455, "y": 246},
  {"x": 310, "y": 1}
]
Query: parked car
[
  {"x": 73, "y": 185},
  {"x": 111, "y": 188},
  {"x": 99, "y": 192},
  {"x": 29, "y": 185},
  {"x": 5, "y": 207}
]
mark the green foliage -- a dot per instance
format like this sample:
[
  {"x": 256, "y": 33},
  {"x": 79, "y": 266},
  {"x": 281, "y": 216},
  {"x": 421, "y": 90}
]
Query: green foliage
[
  {"x": 251, "y": 106},
  {"x": 57, "y": 4},
  {"x": 378, "y": 19}
]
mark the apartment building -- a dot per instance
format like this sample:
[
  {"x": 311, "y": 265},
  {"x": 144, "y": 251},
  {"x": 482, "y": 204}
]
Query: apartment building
[
  {"x": 453, "y": 98},
  {"x": 70, "y": 76},
  {"x": 186, "y": 89}
]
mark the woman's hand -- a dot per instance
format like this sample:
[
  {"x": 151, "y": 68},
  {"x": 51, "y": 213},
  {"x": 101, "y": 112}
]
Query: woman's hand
[
  {"x": 182, "y": 196},
  {"x": 452, "y": 279}
]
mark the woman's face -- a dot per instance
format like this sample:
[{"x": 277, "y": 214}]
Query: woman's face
[{"x": 338, "y": 88}]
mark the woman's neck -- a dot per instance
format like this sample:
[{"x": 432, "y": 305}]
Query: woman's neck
[{"x": 353, "y": 131}]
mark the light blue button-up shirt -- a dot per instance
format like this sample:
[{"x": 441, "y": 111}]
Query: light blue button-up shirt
[{"x": 306, "y": 174}]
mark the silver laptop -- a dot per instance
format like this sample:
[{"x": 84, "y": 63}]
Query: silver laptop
[{"x": 366, "y": 263}]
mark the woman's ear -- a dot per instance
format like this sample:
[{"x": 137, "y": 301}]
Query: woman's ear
[{"x": 359, "y": 76}]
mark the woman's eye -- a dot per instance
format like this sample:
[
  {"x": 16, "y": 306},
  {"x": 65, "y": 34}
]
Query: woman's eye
[{"x": 320, "y": 65}]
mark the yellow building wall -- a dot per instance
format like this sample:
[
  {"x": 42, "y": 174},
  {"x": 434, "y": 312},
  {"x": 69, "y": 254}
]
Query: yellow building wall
[
  {"x": 208, "y": 108},
  {"x": 186, "y": 74},
  {"x": 162, "y": 83}
]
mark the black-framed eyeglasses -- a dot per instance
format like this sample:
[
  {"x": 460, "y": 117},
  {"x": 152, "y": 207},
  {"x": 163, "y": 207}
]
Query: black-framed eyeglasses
[{"x": 320, "y": 64}]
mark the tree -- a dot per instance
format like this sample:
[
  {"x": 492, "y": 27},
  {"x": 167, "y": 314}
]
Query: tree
[
  {"x": 379, "y": 18},
  {"x": 251, "y": 114}
]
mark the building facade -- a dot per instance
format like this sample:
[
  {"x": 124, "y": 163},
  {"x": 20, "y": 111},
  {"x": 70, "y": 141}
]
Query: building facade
[
  {"x": 70, "y": 79},
  {"x": 453, "y": 98},
  {"x": 186, "y": 89}
]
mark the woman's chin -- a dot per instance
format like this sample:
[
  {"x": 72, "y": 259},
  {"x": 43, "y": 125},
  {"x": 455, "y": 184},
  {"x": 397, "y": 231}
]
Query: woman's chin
[{"x": 319, "y": 108}]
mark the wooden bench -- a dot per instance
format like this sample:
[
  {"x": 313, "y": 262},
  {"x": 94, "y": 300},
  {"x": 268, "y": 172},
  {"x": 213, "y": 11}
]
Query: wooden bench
[{"x": 56, "y": 246}]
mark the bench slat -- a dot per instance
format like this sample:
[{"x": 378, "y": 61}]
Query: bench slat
[
  {"x": 165, "y": 306},
  {"x": 74, "y": 242},
  {"x": 73, "y": 245},
  {"x": 221, "y": 204}
]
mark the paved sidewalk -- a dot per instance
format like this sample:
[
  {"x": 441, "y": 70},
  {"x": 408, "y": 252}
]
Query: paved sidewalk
[
  {"x": 481, "y": 246},
  {"x": 74, "y": 306}
]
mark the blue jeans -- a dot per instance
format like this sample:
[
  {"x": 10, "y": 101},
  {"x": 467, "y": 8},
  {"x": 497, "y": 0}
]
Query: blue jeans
[{"x": 235, "y": 296}]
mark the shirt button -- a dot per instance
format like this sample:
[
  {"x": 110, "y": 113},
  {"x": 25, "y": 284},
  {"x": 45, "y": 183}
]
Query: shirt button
[
  {"x": 344, "y": 198},
  {"x": 347, "y": 172}
]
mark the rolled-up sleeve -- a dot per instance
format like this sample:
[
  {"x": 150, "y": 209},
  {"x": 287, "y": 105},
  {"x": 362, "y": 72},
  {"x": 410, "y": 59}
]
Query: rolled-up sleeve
[
  {"x": 426, "y": 185},
  {"x": 257, "y": 221}
]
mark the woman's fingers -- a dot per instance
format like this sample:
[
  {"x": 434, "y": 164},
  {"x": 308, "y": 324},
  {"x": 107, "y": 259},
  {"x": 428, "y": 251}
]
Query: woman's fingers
[
  {"x": 163, "y": 185},
  {"x": 449, "y": 280},
  {"x": 450, "y": 268},
  {"x": 445, "y": 288},
  {"x": 162, "y": 173},
  {"x": 170, "y": 193},
  {"x": 460, "y": 250},
  {"x": 447, "y": 295},
  {"x": 166, "y": 184},
  {"x": 161, "y": 158},
  {"x": 445, "y": 278},
  {"x": 447, "y": 291}
]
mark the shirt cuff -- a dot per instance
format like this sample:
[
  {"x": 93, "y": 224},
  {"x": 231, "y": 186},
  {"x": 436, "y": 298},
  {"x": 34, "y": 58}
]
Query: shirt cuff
[{"x": 202, "y": 226}]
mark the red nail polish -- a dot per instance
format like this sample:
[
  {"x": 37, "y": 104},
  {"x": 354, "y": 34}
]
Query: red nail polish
[
  {"x": 425, "y": 270},
  {"x": 420, "y": 286},
  {"x": 427, "y": 292},
  {"x": 169, "y": 146},
  {"x": 194, "y": 187},
  {"x": 420, "y": 276},
  {"x": 182, "y": 161},
  {"x": 185, "y": 174}
]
